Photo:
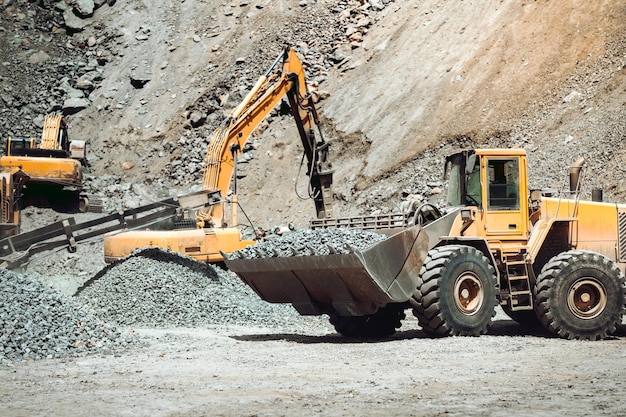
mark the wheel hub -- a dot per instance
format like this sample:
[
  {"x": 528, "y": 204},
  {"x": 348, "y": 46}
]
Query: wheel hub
[
  {"x": 468, "y": 293},
  {"x": 586, "y": 298}
]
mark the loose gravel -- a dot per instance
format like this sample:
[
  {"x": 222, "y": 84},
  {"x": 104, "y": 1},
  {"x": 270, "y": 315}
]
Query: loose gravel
[
  {"x": 307, "y": 242},
  {"x": 157, "y": 288},
  {"x": 38, "y": 322}
]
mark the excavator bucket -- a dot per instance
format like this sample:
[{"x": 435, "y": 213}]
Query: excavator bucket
[{"x": 352, "y": 284}]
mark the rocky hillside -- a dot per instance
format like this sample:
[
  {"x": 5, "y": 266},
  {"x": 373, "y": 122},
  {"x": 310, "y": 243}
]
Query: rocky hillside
[{"x": 403, "y": 83}]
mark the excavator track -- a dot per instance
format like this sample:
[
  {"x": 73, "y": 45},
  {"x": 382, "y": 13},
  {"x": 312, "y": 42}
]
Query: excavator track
[{"x": 90, "y": 203}]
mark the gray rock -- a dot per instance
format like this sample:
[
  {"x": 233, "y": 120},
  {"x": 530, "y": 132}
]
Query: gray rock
[
  {"x": 84, "y": 8},
  {"x": 69, "y": 91},
  {"x": 197, "y": 119},
  {"x": 74, "y": 105},
  {"x": 574, "y": 95},
  {"x": 38, "y": 57},
  {"x": 61, "y": 6},
  {"x": 88, "y": 80},
  {"x": 85, "y": 84},
  {"x": 73, "y": 22},
  {"x": 39, "y": 121},
  {"x": 377, "y": 5},
  {"x": 138, "y": 80}
]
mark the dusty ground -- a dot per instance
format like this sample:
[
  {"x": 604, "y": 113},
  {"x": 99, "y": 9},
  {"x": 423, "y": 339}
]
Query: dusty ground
[{"x": 233, "y": 371}]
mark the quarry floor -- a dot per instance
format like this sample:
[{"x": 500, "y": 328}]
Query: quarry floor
[{"x": 247, "y": 371}]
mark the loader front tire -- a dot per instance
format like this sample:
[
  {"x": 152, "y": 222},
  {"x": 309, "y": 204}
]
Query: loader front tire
[
  {"x": 456, "y": 294},
  {"x": 383, "y": 323},
  {"x": 581, "y": 295}
]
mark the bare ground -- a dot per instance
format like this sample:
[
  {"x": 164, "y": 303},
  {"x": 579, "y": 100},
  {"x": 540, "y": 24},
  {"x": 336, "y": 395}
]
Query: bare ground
[{"x": 243, "y": 371}]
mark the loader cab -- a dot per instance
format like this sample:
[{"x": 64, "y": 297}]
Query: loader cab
[{"x": 495, "y": 182}]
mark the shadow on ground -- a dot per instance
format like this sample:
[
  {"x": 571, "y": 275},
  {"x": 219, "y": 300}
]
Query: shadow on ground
[{"x": 507, "y": 328}]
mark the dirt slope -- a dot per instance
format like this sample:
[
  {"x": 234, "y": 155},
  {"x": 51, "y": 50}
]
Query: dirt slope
[
  {"x": 546, "y": 76},
  {"x": 437, "y": 70}
]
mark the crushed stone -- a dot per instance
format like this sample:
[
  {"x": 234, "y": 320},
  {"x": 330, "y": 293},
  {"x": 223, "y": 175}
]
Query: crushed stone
[
  {"x": 160, "y": 288},
  {"x": 39, "y": 322}
]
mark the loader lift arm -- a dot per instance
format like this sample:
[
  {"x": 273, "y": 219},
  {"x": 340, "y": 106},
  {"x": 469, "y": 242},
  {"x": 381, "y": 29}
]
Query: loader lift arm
[{"x": 227, "y": 141}]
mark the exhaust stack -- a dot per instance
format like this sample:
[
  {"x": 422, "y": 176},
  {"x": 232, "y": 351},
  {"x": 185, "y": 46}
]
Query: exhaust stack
[{"x": 574, "y": 175}]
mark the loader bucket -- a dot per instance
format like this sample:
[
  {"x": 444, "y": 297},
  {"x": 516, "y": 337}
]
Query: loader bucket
[{"x": 351, "y": 284}]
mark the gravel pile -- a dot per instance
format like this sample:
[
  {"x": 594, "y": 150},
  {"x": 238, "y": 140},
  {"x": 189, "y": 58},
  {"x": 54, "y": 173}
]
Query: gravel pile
[
  {"x": 306, "y": 242},
  {"x": 38, "y": 322},
  {"x": 156, "y": 288}
]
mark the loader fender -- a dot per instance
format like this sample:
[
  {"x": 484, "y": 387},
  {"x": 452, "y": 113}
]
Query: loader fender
[{"x": 480, "y": 244}]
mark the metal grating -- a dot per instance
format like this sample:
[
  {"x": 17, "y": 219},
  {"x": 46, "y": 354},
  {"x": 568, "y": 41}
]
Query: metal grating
[
  {"x": 621, "y": 222},
  {"x": 381, "y": 221}
]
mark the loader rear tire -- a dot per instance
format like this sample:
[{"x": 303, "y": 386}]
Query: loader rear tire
[
  {"x": 456, "y": 294},
  {"x": 581, "y": 295},
  {"x": 383, "y": 323}
]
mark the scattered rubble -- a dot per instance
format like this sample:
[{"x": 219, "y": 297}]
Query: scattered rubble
[{"x": 38, "y": 322}]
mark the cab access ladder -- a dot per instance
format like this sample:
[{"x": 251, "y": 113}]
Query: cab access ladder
[{"x": 519, "y": 286}]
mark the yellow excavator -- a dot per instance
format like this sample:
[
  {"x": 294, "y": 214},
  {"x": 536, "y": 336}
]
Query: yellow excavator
[
  {"x": 54, "y": 166},
  {"x": 215, "y": 221}
]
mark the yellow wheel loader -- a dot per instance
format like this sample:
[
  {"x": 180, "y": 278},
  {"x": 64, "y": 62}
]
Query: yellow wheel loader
[
  {"x": 215, "y": 223},
  {"x": 557, "y": 261}
]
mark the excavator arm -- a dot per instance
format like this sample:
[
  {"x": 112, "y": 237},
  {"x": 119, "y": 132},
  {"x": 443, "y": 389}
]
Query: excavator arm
[{"x": 227, "y": 141}]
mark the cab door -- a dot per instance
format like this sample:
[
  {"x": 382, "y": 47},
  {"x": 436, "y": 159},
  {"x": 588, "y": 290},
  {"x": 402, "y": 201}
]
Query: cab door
[{"x": 505, "y": 197}]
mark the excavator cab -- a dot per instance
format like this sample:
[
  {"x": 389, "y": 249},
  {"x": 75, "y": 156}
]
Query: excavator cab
[{"x": 17, "y": 146}]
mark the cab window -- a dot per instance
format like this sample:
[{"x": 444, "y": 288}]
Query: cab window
[
  {"x": 473, "y": 194},
  {"x": 503, "y": 179}
]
